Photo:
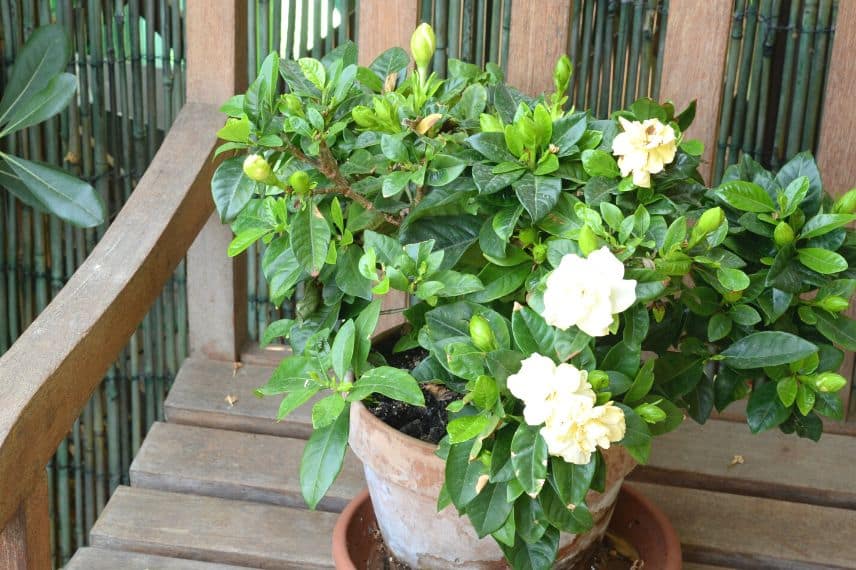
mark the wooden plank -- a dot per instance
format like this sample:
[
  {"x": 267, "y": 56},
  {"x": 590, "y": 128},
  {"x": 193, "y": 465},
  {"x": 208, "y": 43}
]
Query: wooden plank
[
  {"x": 693, "y": 66},
  {"x": 836, "y": 152},
  {"x": 538, "y": 37},
  {"x": 199, "y": 397},
  {"x": 48, "y": 374},
  {"x": 385, "y": 24},
  {"x": 750, "y": 532},
  {"x": 216, "y": 284},
  {"x": 103, "y": 559},
  {"x": 776, "y": 465},
  {"x": 25, "y": 543},
  {"x": 234, "y": 465},
  {"x": 214, "y": 530}
]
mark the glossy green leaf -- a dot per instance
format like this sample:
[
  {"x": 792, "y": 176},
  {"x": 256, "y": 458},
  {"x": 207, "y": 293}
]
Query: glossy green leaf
[
  {"x": 529, "y": 458},
  {"x": 232, "y": 190},
  {"x": 43, "y": 105},
  {"x": 388, "y": 381},
  {"x": 822, "y": 260},
  {"x": 462, "y": 475},
  {"x": 767, "y": 348},
  {"x": 538, "y": 194},
  {"x": 323, "y": 457},
  {"x": 572, "y": 481},
  {"x": 326, "y": 410},
  {"x": 765, "y": 410},
  {"x": 746, "y": 196},
  {"x": 310, "y": 237},
  {"x": 342, "y": 349}
]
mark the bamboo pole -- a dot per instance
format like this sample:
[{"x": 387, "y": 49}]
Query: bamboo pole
[
  {"x": 441, "y": 8},
  {"x": 618, "y": 74},
  {"x": 779, "y": 143},
  {"x": 585, "y": 54},
  {"x": 633, "y": 62},
  {"x": 600, "y": 31},
  {"x": 808, "y": 23},
  {"x": 662, "y": 22},
  {"x": 755, "y": 88},
  {"x": 818, "y": 72}
]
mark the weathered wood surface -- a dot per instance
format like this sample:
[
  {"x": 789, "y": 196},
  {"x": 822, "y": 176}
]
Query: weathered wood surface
[
  {"x": 46, "y": 377},
  {"x": 25, "y": 543},
  {"x": 203, "y": 390},
  {"x": 103, "y": 559},
  {"x": 836, "y": 152},
  {"x": 215, "y": 530},
  {"x": 538, "y": 37},
  {"x": 693, "y": 66},
  {"x": 774, "y": 465},
  {"x": 234, "y": 465},
  {"x": 385, "y": 24},
  {"x": 216, "y": 284},
  {"x": 750, "y": 532}
]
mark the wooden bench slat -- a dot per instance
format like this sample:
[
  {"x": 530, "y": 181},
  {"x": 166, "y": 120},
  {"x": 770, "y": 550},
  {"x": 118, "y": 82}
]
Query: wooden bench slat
[
  {"x": 750, "y": 532},
  {"x": 234, "y": 465},
  {"x": 776, "y": 465},
  {"x": 101, "y": 559},
  {"x": 215, "y": 530}
]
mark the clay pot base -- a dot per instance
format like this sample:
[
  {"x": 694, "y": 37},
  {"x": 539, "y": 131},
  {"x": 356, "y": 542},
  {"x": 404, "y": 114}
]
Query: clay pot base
[{"x": 358, "y": 545}]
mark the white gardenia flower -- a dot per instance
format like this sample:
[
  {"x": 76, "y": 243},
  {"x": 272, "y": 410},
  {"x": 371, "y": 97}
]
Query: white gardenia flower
[
  {"x": 574, "y": 437},
  {"x": 587, "y": 292},
  {"x": 644, "y": 148}
]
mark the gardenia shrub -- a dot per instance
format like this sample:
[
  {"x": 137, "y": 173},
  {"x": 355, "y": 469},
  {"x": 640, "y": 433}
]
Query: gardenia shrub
[{"x": 575, "y": 284}]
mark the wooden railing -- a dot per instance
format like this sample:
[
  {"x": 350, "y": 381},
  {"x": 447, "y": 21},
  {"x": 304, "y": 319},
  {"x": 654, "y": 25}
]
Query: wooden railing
[{"x": 49, "y": 374}]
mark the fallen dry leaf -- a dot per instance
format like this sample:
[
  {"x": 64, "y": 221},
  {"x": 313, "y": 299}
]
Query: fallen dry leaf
[
  {"x": 231, "y": 400},
  {"x": 737, "y": 460}
]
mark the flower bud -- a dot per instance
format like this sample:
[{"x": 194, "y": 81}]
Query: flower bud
[
  {"x": 783, "y": 234},
  {"x": 828, "y": 382},
  {"x": 834, "y": 304},
  {"x": 256, "y": 168},
  {"x": 846, "y": 204},
  {"x": 423, "y": 42},
  {"x": 299, "y": 181},
  {"x": 490, "y": 124},
  {"x": 562, "y": 74},
  {"x": 588, "y": 241},
  {"x": 363, "y": 116},
  {"x": 481, "y": 334},
  {"x": 539, "y": 253},
  {"x": 527, "y": 236},
  {"x": 598, "y": 379},
  {"x": 651, "y": 413},
  {"x": 292, "y": 104},
  {"x": 710, "y": 221}
]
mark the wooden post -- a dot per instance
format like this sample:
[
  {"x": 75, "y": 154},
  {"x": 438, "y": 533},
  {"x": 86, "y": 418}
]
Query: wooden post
[
  {"x": 694, "y": 64},
  {"x": 383, "y": 25},
  {"x": 836, "y": 152},
  {"x": 216, "y": 285},
  {"x": 538, "y": 37},
  {"x": 25, "y": 543}
]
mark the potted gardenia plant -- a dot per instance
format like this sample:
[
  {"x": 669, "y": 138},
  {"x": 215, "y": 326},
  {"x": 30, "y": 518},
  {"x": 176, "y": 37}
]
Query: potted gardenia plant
[{"x": 576, "y": 291}]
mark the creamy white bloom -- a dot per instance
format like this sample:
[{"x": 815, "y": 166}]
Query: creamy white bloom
[
  {"x": 644, "y": 148},
  {"x": 587, "y": 292},
  {"x": 544, "y": 387},
  {"x": 575, "y": 436}
]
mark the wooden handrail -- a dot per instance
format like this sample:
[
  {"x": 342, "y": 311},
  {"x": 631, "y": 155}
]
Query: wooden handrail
[{"x": 47, "y": 376}]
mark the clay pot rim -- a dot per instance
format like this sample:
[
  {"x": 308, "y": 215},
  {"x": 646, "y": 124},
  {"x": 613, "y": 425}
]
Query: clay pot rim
[
  {"x": 341, "y": 555},
  {"x": 375, "y": 423}
]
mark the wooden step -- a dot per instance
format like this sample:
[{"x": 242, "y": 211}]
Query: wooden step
[
  {"x": 737, "y": 531},
  {"x": 775, "y": 465},
  {"x": 103, "y": 559},
  {"x": 217, "y": 395},
  {"x": 217, "y": 530},
  {"x": 234, "y": 465}
]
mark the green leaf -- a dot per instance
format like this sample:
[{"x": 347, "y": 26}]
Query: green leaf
[
  {"x": 642, "y": 384},
  {"x": 536, "y": 555},
  {"x": 313, "y": 70},
  {"x": 538, "y": 194},
  {"x": 489, "y": 510},
  {"x": 245, "y": 239},
  {"x": 472, "y": 102},
  {"x": 281, "y": 270},
  {"x": 43, "y": 105},
  {"x": 462, "y": 475},
  {"x": 746, "y": 196},
  {"x": 822, "y": 260},
  {"x": 291, "y": 374},
  {"x": 572, "y": 481},
  {"x": 43, "y": 57},
  {"x": 500, "y": 281},
  {"x": 824, "y": 223},
  {"x": 489, "y": 183},
  {"x": 342, "y": 350},
  {"x": 787, "y": 390},
  {"x": 491, "y": 146},
  {"x": 444, "y": 169},
  {"x": 294, "y": 399},
  {"x": 839, "y": 329},
  {"x": 599, "y": 163},
  {"x": 391, "y": 61},
  {"x": 394, "y": 148},
  {"x": 310, "y": 237},
  {"x": 275, "y": 330},
  {"x": 390, "y": 382},
  {"x": 323, "y": 457},
  {"x": 232, "y": 190},
  {"x": 732, "y": 279},
  {"x": 326, "y": 410},
  {"x": 465, "y": 428},
  {"x": 718, "y": 327},
  {"x": 529, "y": 458},
  {"x": 576, "y": 520},
  {"x": 365, "y": 323},
  {"x": 767, "y": 348},
  {"x": 637, "y": 435},
  {"x": 744, "y": 315},
  {"x": 765, "y": 410},
  {"x": 57, "y": 191}
]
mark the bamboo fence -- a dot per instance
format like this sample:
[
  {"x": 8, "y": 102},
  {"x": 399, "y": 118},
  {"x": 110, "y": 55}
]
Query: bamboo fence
[{"x": 129, "y": 59}]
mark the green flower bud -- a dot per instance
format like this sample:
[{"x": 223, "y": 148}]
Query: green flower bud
[
  {"x": 846, "y": 204},
  {"x": 291, "y": 103},
  {"x": 598, "y": 379},
  {"x": 481, "y": 334},
  {"x": 587, "y": 241},
  {"x": 299, "y": 181},
  {"x": 834, "y": 304},
  {"x": 363, "y": 116},
  {"x": 539, "y": 253},
  {"x": 490, "y": 124},
  {"x": 783, "y": 234},
  {"x": 828, "y": 382},
  {"x": 710, "y": 221},
  {"x": 423, "y": 42},
  {"x": 527, "y": 236},
  {"x": 562, "y": 74},
  {"x": 256, "y": 168},
  {"x": 651, "y": 413}
]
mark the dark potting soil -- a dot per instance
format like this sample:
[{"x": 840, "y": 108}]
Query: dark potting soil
[{"x": 428, "y": 423}]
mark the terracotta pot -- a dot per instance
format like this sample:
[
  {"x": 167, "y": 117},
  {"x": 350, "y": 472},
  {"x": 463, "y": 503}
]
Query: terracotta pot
[
  {"x": 635, "y": 519},
  {"x": 404, "y": 478}
]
